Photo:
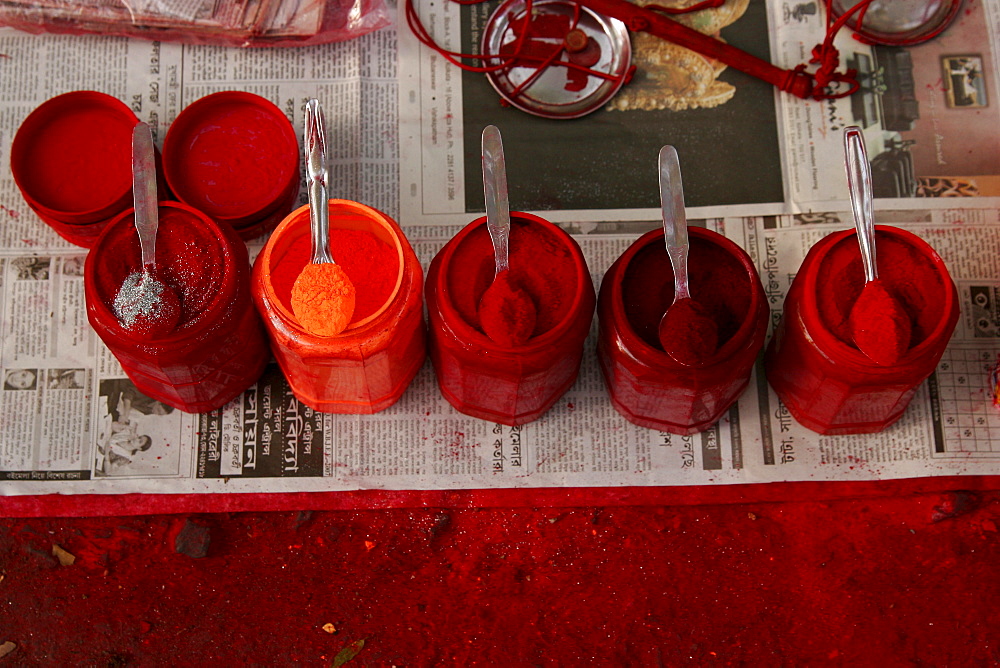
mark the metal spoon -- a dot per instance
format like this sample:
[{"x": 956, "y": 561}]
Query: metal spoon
[
  {"x": 323, "y": 296},
  {"x": 507, "y": 313},
  {"x": 145, "y": 305},
  {"x": 879, "y": 325},
  {"x": 686, "y": 332},
  {"x": 315, "y": 158}
]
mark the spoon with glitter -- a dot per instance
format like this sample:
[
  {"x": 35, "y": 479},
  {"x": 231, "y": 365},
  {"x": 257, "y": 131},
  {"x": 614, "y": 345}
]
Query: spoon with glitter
[
  {"x": 507, "y": 313},
  {"x": 687, "y": 331},
  {"x": 323, "y": 296},
  {"x": 145, "y": 305},
  {"x": 879, "y": 325}
]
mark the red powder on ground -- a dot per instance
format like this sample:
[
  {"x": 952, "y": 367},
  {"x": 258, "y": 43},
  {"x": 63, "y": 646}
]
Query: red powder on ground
[
  {"x": 880, "y": 327},
  {"x": 909, "y": 277},
  {"x": 371, "y": 264},
  {"x": 506, "y": 312},
  {"x": 521, "y": 585},
  {"x": 539, "y": 264},
  {"x": 718, "y": 283},
  {"x": 688, "y": 333}
]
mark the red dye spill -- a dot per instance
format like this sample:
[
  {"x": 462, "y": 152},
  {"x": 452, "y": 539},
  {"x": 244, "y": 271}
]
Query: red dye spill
[
  {"x": 506, "y": 312},
  {"x": 370, "y": 263},
  {"x": 880, "y": 327}
]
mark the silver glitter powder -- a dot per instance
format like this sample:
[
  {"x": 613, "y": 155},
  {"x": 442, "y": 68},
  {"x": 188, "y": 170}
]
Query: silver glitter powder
[{"x": 140, "y": 299}]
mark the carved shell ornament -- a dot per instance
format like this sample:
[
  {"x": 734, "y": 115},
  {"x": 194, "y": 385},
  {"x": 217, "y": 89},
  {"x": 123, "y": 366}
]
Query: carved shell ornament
[{"x": 672, "y": 77}]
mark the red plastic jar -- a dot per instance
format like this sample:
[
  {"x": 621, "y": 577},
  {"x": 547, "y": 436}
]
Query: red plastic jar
[
  {"x": 648, "y": 386},
  {"x": 367, "y": 367},
  {"x": 219, "y": 348},
  {"x": 826, "y": 383},
  {"x": 72, "y": 161},
  {"x": 234, "y": 156},
  {"x": 517, "y": 384}
]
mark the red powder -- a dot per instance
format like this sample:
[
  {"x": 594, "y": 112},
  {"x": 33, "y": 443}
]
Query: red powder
[
  {"x": 880, "y": 327},
  {"x": 506, "y": 313},
  {"x": 540, "y": 264},
  {"x": 688, "y": 333},
  {"x": 718, "y": 283},
  {"x": 909, "y": 277},
  {"x": 370, "y": 263}
]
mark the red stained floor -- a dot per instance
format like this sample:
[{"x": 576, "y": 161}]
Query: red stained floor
[{"x": 899, "y": 581}]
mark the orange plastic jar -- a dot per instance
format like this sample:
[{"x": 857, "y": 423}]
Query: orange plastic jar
[{"x": 367, "y": 367}]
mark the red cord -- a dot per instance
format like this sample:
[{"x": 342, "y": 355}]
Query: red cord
[{"x": 823, "y": 81}]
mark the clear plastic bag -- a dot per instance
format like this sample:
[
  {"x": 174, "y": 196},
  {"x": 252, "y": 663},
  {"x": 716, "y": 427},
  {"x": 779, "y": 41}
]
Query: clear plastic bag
[{"x": 245, "y": 23}]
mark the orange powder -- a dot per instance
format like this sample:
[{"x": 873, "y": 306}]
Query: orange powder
[
  {"x": 323, "y": 299},
  {"x": 371, "y": 265}
]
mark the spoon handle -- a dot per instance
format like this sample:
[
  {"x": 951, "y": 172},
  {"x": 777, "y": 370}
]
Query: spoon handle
[
  {"x": 495, "y": 189},
  {"x": 314, "y": 141},
  {"x": 859, "y": 181},
  {"x": 144, "y": 191},
  {"x": 675, "y": 233}
]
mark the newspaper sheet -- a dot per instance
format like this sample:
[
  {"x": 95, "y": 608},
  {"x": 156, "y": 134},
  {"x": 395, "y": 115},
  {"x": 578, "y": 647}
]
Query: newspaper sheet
[{"x": 64, "y": 397}]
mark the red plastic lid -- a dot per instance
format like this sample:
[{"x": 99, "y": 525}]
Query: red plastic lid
[
  {"x": 233, "y": 156},
  {"x": 72, "y": 157}
]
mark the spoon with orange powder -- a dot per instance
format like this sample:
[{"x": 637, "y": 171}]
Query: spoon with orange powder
[
  {"x": 687, "y": 331},
  {"x": 879, "y": 325},
  {"x": 507, "y": 313},
  {"x": 323, "y": 296}
]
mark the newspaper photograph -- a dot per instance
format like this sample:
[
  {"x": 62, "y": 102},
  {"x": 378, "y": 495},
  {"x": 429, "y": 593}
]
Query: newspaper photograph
[
  {"x": 759, "y": 167},
  {"x": 745, "y": 147}
]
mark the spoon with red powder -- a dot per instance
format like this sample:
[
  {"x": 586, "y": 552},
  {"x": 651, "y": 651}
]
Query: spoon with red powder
[
  {"x": 323, "y": 296},
  {"x": 879, "y": 325},
  {"x": 687, "y": 331},
  {"x": 145, "y": 305},
  {"x": 507, "y": 313}
]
